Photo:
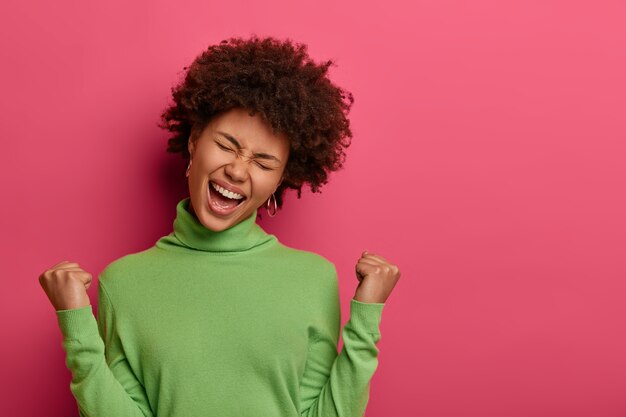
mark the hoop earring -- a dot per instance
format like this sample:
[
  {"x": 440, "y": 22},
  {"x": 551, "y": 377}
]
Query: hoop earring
[
  {"x": 267, "y": 206},
  {"x": 188, "y": 167}
]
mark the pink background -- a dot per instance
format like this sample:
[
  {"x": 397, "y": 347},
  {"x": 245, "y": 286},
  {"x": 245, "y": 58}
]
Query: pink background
[{"x": 487, "y": 162}]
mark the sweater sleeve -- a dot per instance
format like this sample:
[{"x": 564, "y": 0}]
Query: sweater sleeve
[
  {"x": 338, "y": 385},
  {"x": 103, "y": 383}
]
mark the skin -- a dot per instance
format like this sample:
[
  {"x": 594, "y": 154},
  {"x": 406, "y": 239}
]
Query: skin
[
  {"x": 66, "y": 283},
  {"x": 377, "y": 278},
  {"x": 238, "y": 168}
]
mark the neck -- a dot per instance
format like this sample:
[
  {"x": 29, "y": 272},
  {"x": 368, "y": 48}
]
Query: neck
[{"x": 190, "y": 234}]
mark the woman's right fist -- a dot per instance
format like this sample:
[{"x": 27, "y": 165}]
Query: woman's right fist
[{"x": 66, "y": 285}]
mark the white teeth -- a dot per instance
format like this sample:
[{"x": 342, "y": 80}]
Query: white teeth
[{"x": 225, "y": 192}]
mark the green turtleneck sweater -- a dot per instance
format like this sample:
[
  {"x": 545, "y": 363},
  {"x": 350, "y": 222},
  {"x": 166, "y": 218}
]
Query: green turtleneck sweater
[{"x": 229, "y": 323}]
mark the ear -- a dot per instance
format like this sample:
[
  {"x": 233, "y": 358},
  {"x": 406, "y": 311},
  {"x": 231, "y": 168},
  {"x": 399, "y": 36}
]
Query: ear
[{"x": 190, "y": 146}]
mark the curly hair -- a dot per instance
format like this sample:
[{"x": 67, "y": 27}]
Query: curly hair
[{"x": 278, "y": 80}]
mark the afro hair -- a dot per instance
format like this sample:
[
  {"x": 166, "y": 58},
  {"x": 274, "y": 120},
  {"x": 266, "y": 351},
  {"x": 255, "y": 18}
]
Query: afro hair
[{"x": 278, "y": 80}]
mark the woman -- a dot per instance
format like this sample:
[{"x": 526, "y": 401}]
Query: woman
[{"x": 219, "y": 318}]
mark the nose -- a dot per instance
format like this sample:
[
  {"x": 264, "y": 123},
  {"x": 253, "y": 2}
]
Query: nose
[{"x": 237, "y": 169}]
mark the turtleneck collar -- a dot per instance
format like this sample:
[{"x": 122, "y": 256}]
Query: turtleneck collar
[{"x": 189, "y": 233}]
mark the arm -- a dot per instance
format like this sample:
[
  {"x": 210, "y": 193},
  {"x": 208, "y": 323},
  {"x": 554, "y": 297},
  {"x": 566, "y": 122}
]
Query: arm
[
  {"x": 338, "y": 385},
  {"x": 103, "y": 383}
]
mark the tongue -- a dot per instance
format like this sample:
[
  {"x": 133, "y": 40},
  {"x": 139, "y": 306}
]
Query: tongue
[{"x": 222, "y": 201}]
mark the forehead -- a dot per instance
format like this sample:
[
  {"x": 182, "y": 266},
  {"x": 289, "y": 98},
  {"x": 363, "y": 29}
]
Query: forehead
[{"x": 251, "y": 132}]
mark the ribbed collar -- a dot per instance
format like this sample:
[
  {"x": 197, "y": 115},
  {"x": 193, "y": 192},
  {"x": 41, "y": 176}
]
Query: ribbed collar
[{"x": 190, "y": 234}]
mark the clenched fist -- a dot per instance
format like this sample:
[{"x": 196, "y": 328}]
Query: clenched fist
[
  {"x": 376, "y": 276},
  {"x": 66, "y": 285}
]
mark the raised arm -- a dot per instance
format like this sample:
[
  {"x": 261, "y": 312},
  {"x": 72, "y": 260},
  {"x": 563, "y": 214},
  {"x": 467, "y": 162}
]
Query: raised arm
[
  {"x": 103, "y": 383},
  {"x": 338, "y": 385}
]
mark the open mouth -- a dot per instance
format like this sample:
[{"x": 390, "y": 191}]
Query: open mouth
[{"x": 223, "y": 201}]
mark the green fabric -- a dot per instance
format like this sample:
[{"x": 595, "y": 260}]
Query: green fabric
[{"x": 230, "y": 323}]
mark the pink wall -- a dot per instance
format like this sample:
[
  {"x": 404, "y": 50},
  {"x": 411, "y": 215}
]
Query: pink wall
[{"x": 488, "y": 163}]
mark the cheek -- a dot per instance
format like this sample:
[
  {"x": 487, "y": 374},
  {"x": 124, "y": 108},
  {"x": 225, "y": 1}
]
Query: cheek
[
  {"x": 264, "y": 185},
  {"x": 212, "y": 161}
]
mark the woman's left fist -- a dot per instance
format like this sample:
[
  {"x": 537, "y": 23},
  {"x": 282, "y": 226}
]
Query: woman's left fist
[{"x": 376, "y": 276}]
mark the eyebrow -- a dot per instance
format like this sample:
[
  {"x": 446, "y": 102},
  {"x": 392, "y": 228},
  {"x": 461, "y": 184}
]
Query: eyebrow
[{"x": 238, "y": 145}]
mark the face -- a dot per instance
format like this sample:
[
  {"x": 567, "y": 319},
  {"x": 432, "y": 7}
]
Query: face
[{"x": 253, "y": 171}]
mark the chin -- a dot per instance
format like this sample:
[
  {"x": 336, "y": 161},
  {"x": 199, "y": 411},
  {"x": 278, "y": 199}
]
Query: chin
[
  {"x": 218, "y": 228},
  {"x": 214, "y": 223}
]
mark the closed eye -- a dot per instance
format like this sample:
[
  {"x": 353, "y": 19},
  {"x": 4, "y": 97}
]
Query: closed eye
[
  {"x": 264, "y": 167},
  {"x": 223, "y": 147}
]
